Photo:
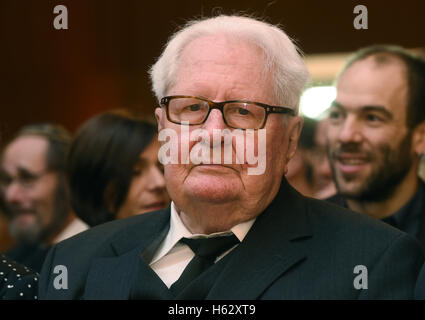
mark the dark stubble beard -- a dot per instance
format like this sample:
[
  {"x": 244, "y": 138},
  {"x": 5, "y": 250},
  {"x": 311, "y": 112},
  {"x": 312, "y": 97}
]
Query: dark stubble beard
[{"x": 380, "y": 185}]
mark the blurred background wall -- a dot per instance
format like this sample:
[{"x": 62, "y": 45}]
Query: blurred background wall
[{"x": 101, "y": 61}]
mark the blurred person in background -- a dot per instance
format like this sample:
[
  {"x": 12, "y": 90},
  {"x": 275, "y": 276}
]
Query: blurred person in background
[
  {"x": 300, "y": 168},
  {"x": 114, "y": 170},
  {"x": 34, "y": 193},
  {"x": 421, "y": 170},
  {"x": 6, "y": 241},
  {"x": 309, "y": 171},
  {"x": 323, "y": 177},
  {"x": 376, "y": 137}
]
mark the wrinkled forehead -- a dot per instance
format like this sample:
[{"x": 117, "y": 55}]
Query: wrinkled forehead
[
  {"x": 221, "y": 49},
  {"x": 214, "y": 46},
  {"x": 224, "y": 62},
  {"x": 25, "y": 152}
]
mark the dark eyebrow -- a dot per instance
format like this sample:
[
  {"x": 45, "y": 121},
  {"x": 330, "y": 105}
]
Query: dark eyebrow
[
  {"x": 379, "y": 109},
  {"x": 370, "y": 108}
]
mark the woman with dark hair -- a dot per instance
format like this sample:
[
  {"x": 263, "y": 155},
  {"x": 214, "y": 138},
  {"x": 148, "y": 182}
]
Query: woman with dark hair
[{"x": 114, "y": 170}]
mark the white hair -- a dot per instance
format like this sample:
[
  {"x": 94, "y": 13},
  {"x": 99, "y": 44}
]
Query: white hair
[{"x": 282, "y": 57}]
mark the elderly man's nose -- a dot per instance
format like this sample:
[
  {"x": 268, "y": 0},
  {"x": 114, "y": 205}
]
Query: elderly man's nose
[{"x": 215, "y": 120}]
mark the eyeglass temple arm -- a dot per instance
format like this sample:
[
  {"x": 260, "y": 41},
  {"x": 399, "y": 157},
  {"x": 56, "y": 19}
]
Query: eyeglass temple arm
[{"x": 280, "y": 110}]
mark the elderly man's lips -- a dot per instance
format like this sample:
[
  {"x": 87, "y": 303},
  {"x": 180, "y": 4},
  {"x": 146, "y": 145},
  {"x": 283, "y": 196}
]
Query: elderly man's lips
[{"x": 214, "y": 167}]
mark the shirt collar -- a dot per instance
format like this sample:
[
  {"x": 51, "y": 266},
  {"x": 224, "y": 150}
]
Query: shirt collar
[{"x": 178, "y": 230}]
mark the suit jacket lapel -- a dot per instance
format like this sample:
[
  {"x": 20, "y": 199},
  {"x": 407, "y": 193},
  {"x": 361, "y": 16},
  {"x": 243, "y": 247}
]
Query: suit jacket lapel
[
  {"x": 115, "y": 275},
  {"x": 111, "y": 278},
  {"x": 147, "y": 284},
  {"x": 268, "y": 250}
]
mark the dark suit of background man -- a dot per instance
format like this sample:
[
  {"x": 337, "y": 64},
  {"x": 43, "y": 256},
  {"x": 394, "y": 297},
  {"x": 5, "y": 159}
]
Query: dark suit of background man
[
  {"x": 34, "y": 192},
  {"x": 288, "y": 246},
  {"x": 376, "y": 136}
]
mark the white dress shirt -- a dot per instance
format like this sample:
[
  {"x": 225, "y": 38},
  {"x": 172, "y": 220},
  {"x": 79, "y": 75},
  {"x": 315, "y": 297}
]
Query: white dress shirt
[{"x": 172, "y": 257}]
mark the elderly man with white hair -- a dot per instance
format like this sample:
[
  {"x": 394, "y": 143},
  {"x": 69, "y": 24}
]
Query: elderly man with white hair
[{"x": 231, "y": 233}]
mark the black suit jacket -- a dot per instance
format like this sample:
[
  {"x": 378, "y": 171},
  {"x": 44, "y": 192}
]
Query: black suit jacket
[
  {"x": 298, "y": 248},
  {"x": 416, "y": 210},
  {"x": 420, "y": 285}
]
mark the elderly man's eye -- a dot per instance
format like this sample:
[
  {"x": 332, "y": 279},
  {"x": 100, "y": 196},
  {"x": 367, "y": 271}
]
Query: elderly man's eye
[
  {"x": 243, "y": 111},
  {"x": 194, "y": 107}
]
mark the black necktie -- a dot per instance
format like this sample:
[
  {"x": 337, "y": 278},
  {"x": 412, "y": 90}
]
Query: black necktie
[{"x": 206, "y": 252}]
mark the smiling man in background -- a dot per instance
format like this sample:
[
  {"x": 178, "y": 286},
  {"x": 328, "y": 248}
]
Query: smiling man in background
[{"x": 376, "y": 137}]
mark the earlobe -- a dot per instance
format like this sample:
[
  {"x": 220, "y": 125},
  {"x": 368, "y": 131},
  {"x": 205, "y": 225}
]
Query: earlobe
[{"x": 294, "y": 134}]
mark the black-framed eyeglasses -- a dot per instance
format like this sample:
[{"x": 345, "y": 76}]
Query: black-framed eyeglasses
[{"x": 237, "y": 114}]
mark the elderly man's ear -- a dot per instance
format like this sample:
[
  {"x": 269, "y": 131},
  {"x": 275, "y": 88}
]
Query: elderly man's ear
[
  {"x": 295, "y": 127},
  {"x": 159, "y": 114},
  {"x": 418, "y": 139}
]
